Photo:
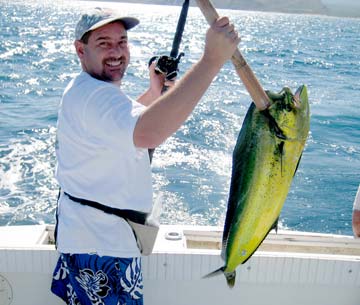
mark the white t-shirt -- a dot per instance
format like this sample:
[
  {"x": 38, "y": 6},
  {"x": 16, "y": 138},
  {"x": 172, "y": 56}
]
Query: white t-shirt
[{"x": 98, "y": 161}]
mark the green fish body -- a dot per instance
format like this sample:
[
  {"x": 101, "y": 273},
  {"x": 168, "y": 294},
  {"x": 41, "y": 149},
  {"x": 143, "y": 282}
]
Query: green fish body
[{"x": 265, "y": 159}]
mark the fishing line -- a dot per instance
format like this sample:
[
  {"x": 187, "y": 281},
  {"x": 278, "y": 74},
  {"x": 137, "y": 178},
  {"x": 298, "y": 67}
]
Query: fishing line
[{"x": 168, "y": 66}]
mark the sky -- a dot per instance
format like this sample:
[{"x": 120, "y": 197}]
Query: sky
[
  {"x": 345, "y": 2},
  {"x": 352, "y": 3}
]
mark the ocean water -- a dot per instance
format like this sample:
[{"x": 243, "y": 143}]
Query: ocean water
[{"x": 192, "y": 169}]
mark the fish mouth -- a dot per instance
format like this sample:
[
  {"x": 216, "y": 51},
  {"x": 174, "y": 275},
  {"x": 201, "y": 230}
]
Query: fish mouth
[
  {"x": 297, "y": 96},
  {"x": 230, "y": 278}
]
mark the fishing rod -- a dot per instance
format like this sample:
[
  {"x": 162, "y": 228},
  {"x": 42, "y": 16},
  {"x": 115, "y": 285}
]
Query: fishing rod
[{"x": 168, "y": 65}]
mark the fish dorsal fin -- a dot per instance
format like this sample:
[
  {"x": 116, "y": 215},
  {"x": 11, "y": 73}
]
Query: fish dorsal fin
[
  {"x": 297, "y": 165},
  {"x": 275, "y": 226},
  {"x": 236, "y": 168}
]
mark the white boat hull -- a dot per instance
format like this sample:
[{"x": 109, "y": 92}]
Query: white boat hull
[{"x": 289, "y": 268}]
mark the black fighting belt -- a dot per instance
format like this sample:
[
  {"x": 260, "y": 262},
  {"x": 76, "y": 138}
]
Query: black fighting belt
[{"x": 135, "y": 216}]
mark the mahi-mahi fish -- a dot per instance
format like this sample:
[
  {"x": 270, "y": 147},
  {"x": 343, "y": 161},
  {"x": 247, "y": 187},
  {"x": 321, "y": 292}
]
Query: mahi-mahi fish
[{"x": 265, "y": 159}]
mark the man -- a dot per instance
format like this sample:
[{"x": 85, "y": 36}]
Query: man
[{"x": 102, "y": 152}]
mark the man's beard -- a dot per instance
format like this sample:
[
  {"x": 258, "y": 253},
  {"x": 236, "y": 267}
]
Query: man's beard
[{"x": 110, "y": 77}]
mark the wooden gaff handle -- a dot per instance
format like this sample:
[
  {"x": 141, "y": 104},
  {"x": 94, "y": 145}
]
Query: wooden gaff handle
[{"x": 247, "y": 76}]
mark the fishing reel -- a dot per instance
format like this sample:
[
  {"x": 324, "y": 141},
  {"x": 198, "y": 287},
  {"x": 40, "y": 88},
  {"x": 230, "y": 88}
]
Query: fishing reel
[{"x": 167, "y": 65}]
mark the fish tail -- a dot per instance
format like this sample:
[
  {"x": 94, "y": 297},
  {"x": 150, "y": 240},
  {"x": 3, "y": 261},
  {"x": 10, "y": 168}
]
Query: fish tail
[
  {"x": 214, "y": 273},
  {"x": 230, "y": 276}
]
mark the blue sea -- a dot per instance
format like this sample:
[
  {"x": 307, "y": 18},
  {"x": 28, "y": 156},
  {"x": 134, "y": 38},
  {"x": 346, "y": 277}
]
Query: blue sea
[{"x": 192, "y": 169}]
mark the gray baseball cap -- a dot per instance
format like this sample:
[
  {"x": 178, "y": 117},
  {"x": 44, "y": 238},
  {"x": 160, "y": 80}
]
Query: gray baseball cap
[{"x": 98, "y": 17}]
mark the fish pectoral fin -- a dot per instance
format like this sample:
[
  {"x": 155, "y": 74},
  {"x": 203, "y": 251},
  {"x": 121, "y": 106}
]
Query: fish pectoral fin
[
  {"x": 281, "y": 153},
  {"x": 214, "y": 273},
  {"x": 273, "y": 125}
]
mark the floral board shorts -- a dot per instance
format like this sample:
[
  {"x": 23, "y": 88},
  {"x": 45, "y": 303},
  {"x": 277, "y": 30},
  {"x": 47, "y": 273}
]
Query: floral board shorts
[{"x": 86, "y": 279}]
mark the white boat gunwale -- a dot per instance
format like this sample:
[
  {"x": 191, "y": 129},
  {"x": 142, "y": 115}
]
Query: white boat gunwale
[{"x": 290, "y": 267}]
